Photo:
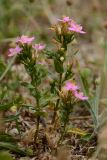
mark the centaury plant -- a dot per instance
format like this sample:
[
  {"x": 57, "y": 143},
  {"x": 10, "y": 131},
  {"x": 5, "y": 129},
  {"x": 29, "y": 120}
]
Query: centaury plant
[
  {"x": 66, "y": 31},
  {"x": 64, "y": 86},
  {"x": 28, "y": 55}
]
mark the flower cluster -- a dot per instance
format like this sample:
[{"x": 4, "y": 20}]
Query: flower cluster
[
  {"x": 23, "y": 40},
  {"x": 69, "y": 86},
  {"x": 72, "y": 25}
]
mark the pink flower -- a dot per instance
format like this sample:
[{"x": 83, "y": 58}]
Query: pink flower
[
  {"x": 72, "y": 25},
  {"x": 80, "y": 96},
  {"x": 25, "y": 39},
  {"x": 39, "y": 47},
  {"x": 14, "y": 51},
  {"x": 76, "y": 28},
  {"x": 71, "y": 86},
  {"x": 65, "y": 19}
]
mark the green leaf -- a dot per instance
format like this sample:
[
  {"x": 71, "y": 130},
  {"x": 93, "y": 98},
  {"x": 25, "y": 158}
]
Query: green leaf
[
  {"x": 13, "y": 148},
  {"x": 46, "y": 99},
  {"x": 87, "y": 137},
  {"x": 77, "y": 131},
  {"x": 69, "y": 74},
  {"x": 49, "y": 54},
  {"x": 5, "y": 156},
  {"x": 86, "y": 76},
  {"x": 58, "y": 66},
  {"x": 2, "y": 67},
  {"x": 5, "y": 106},
  {"x": 28, "y": 85},
  {"x": 6, "y": 138},
  {"x": 27, "y": 106},
  {"x": 53, "y": 87},
  {"x": 12, "y": 118},
  {"x": 89, "y": 103}
]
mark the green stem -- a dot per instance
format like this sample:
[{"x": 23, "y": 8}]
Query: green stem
[
  {"x": 38, "y": 122},
  {"x": 62, "y": 135},
  {"x": 58, "y": 100},
  {"x": 65, "y": 120},
  {"x": 37, "y": 130}
]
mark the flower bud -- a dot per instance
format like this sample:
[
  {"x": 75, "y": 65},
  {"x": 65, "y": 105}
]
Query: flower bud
[
  {"x": 58, "y": 30},
  {"x": 62, "y": 59}
]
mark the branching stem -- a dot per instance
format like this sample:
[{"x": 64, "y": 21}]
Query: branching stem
[{"x": 58, "y": 100}]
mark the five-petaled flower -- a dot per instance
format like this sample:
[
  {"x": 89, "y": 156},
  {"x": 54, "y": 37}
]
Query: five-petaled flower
[
  {"x": 74, "y": 27},
  {"x": 69, "y": 86},
  {"x": 14, "y": 51},
  {"x": 24, "y": 39},
  {"x": 39, "y": 47},
  {"x": 80, "y": 96}
]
